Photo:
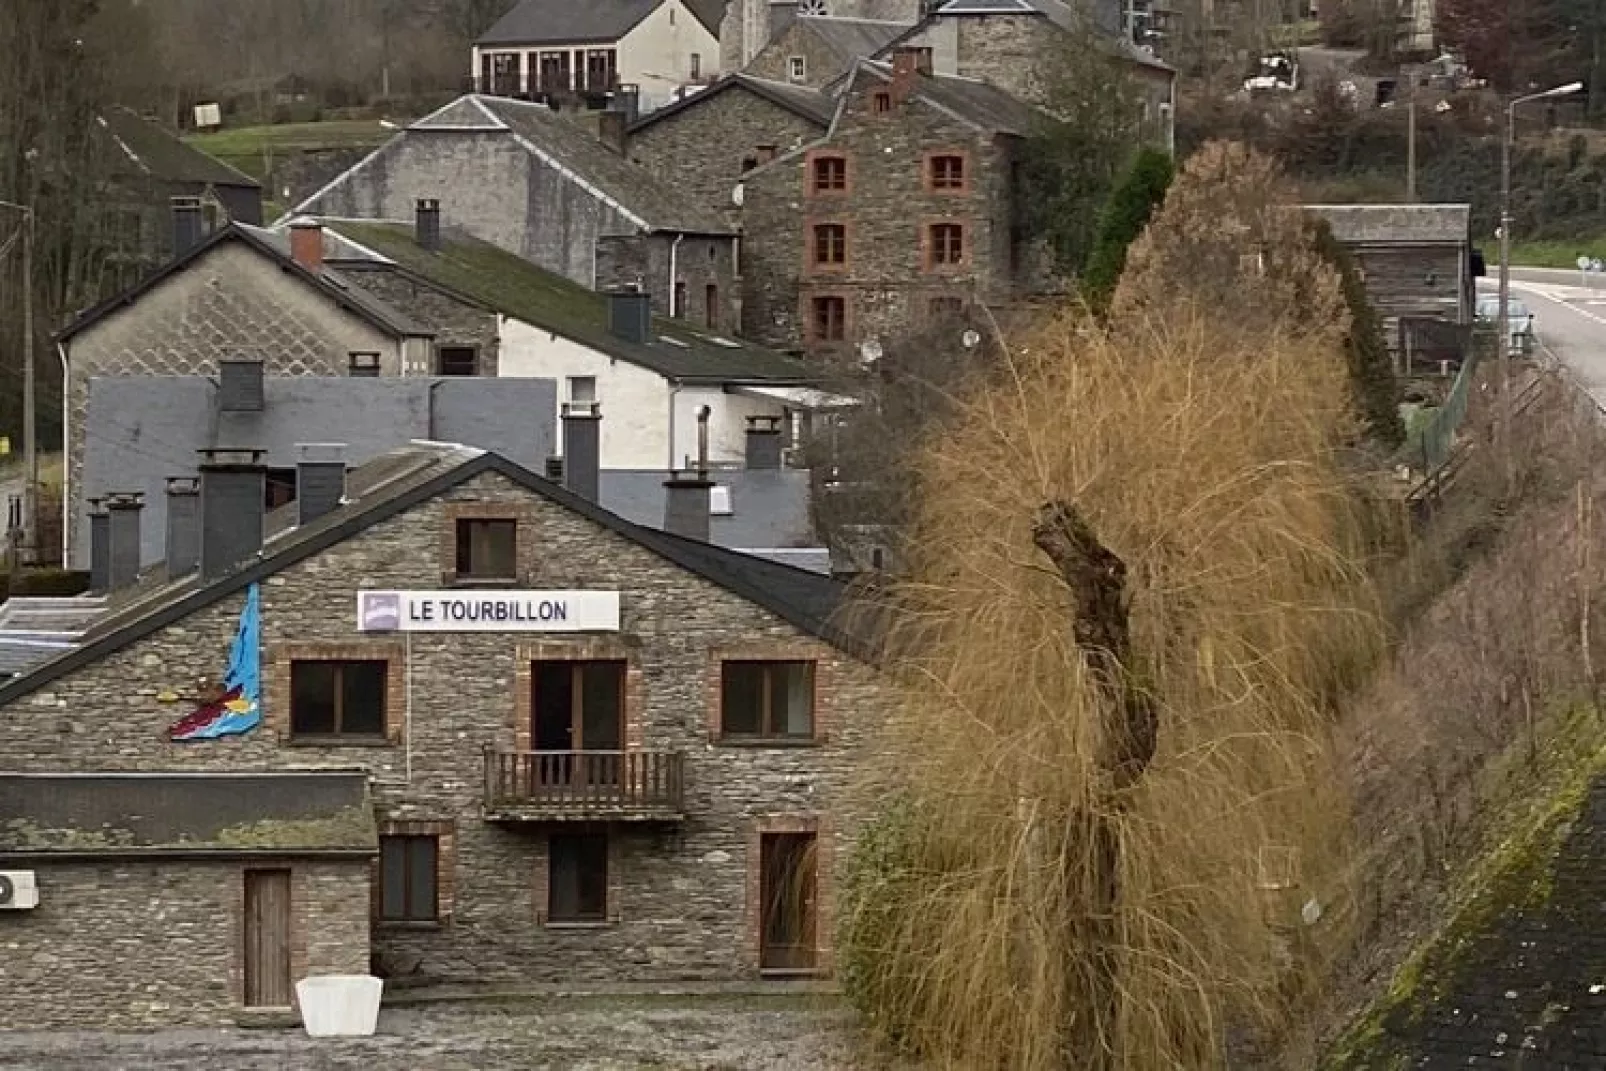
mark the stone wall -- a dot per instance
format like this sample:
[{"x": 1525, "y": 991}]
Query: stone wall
[
  {"x": 889, "y": 282},
  {"x": 680, "y": 908},
  {"x": 130, "y": 944},
  {"x": 455, "y": 322},
  {"x": 704, "y": 145},
  {"x": 821, "y": 62},
  {"x": 698, "y": 263},
  {"x": 232, "y": 303}
]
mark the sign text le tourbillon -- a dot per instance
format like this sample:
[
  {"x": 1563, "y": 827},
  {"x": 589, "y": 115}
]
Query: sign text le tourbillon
[{"x": 488, "y": 611}]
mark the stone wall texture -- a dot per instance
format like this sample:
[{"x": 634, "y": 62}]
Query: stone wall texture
[
  {"x": 704, "y": 145},
  {"x": 135, "y": 943},
  {"x": 233, "y": 303},
  {"x": 680, "y": 907},
  {"x": 888, "y": 282},
  {"x": 698, "y": 263},
  {"x": 455, "y": 322},
  {"x": 821, "y": 62}
]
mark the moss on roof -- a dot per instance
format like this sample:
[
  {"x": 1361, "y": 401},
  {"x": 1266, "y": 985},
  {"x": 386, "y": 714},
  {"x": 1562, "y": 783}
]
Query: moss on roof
[
  {"x": 516, "y": 288},
  {"x": 152, "y": 150}
]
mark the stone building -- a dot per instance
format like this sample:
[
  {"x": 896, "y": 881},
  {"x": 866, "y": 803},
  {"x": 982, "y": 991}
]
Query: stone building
[
  {"x": 518, "y": 175},
  {"x": 905, "y": 211},
  {"x": 750, "y": 25},
  {"x": 817, "y": 50},
  {"x": 570, "y": 749},
  {"x": 709, "y": 141}
]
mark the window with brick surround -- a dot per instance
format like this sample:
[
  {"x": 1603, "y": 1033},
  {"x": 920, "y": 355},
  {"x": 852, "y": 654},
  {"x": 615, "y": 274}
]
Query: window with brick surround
[
  {"x": 947, "y": 244},
  {"x": 338, "y": 699},
  {"x": 828, "y": 318},
  {"x": 828, "y": 174},
  {"x": 408, "y": 887},
  {"x": 766, "y": 700},
  {"x": 947, "y": 172},
  {"x": 882, "y": 102},
  {"x": 577, "y": 877},
  {"x": 487, "y": 549},
  {"x": 830, "y": 241}
]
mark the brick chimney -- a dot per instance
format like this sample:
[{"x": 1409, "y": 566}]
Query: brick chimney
[
  {"x": 306, "y": 244},
  {"x": 908, "y": 66}
]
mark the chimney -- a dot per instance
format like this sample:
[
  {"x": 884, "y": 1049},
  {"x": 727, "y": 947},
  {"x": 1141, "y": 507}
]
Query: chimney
[
  {"x": 582, "y": 448},
  {"x": 908, "y": 64},
  {"x": 234, "y": 486},
  {"x": 306, "y": 244},
  {"x": 99, "y": 546},
  {"x": 186, "y": 224},
  {"x": 626, "y": 100},
  {"x": 782, "y": 14},
  {"x": 763, "y": 442},
  {"x": 122, "y": 560},
  {"x": 612, "y": 130},
  {"x": 427, "y": 224},
  {"x": 687, "y": 498},
  {"x": 183, "y": 525},
  {"x": 630, "y": 315},
  {"x": 320, "y": 480},
  {"x": 239, "y": 386}
]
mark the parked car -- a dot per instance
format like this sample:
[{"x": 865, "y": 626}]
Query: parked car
[
  {"x": 1519, "y": 320},
  {"x": 1274, "y": 72}
]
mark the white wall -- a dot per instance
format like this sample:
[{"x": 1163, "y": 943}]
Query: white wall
[
  {"x": 635, "y": 401},
  {"x": 656, "y": 55}
]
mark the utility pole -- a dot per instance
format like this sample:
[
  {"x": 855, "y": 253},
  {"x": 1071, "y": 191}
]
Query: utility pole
[
  {"x": 30, "y": 437},
  {"x": 1410, "y": 142}
]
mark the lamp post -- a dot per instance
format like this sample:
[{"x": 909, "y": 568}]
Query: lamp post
[
  {"x": 1502, "y": 328},
  {"x": 30, "y": 445}
]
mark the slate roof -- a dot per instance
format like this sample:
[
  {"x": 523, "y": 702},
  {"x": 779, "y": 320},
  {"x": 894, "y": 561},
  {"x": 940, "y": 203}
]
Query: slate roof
[
  {"x": 34, "y": 629},
  {"x": 147, "y": 428},
  {"x": 980, "y": 104},
  {"x": 330, "y": 282},
  {"x": 402, "y": 480},
  {"x": 139, "y": 814},
  {"x": 149, "y": 149},
  {"x": 508, "y": 284},
  {"x": 769, "y": 507},
  {"x": 540, "y": 22},
  {"x": 806, "y": 102},
  {"x": 851, "y": 39},
  {"x": 1105, "y": 19},
  {"x": 709, "y": 12},
  {"x": 1401, "y": 224}
]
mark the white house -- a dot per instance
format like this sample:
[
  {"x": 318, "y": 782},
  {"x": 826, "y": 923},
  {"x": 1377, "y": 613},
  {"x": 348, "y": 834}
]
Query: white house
[
  {"x": 651, "y": 375},
  {"x": 591, "y": 50}
]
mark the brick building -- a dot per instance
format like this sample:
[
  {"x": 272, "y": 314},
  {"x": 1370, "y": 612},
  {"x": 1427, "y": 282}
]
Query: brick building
[
  {"x": 449, "y": 713},
  {"x": 905, "y": 210}
]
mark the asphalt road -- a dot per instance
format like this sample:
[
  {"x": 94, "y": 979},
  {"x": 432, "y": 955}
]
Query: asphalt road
[{"x": 1570, "y": 319}]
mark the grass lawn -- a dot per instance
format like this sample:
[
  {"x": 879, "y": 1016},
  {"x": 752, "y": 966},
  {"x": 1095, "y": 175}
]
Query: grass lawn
[
  {"x": 244, "y": 146},
  {"x": 1561, "y": 253}
]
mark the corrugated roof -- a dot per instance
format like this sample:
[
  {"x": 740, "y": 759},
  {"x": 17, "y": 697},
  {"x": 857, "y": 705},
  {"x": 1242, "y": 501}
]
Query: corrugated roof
[
  {"x": 65, "y": 814},
  {"x": 37, "y": 629},
  {"x": 149, "y": 149},
  {"x": 540, "y": 22},
  {"x": 514, "y": 287},
  {"x": 1398, "y": 224}
]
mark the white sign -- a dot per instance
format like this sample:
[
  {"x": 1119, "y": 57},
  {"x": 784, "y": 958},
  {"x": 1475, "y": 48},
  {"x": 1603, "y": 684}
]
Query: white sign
[{"x": 487, "y": 611}]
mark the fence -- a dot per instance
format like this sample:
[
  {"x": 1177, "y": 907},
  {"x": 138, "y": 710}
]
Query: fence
[{"x": 1431, "y": 442}]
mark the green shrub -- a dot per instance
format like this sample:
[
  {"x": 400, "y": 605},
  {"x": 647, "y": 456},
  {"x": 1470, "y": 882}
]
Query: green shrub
[
  {"x": 1371, "y": 371},
  {"x": 875, "y": 898},
  {"x": 44, "y": 582},
  {"x": 1141, "y": 190}
]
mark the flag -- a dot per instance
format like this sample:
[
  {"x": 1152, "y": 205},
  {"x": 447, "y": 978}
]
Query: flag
[{"x": 239, "y": 708}]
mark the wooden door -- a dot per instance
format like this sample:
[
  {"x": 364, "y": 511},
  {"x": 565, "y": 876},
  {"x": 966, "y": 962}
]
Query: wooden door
[
  {"x": 787, "y": 890},
  {"x": 267, "y": 939},
  {"x": 577, "y": 714}
]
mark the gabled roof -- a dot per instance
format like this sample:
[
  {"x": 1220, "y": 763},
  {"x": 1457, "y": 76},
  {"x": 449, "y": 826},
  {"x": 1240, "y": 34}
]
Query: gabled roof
[
  {"x": 495, "y": 279},
  {"x": 807, "y": 103},
  {"x": 540, "y": 22},
  {"x": 329, "y": 282},
  {"x": 850, "y": 39},
  {"x": 149, "y": 149},
  {"x": 1400, "y": 224},
  {"x": 212, "y": 814},
  {"x": 977, "y": 103},
  {"x": 403, "y": 480},
  {"x": 709, "y": 12},
  {"x": 1105, "y": 23}
]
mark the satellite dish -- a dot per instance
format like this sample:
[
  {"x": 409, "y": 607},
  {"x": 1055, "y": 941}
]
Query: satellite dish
[
  {"x": 970, "y": 339},
  {"x": 870, "y": 351},
  {"x": 737, "y": 195}
]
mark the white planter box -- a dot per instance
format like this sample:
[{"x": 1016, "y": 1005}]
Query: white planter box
[{"x": 340, "y": 1005}]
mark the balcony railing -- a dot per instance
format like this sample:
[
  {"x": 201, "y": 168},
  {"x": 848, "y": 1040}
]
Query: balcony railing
[{"x": 584, "y": 785}]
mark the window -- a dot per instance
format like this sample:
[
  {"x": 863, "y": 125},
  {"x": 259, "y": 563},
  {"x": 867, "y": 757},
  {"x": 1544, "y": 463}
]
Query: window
[
  {"x": 582, "y": 388},
  {"x": 711, "y": 307},
  {"x": 407, "y": 885},
  {"x": 457, "y": 361},
  {"x": 363, "y": 364},
  {"x": 280, "y": 488},
  {"x": 830, "y": 244},
  {"x": 947, "y": 244},
  {"x": 577, "y": 878},
  {"x": 337, "y": 698},
  {"x": 829, "y": 318},
  {"x": 796, "y": 68},
  {"x": 487, "y": 549},
  {"x": 948, "y": 172},
  {"x": 882, "y": 102},
  {"x": 767, "y": 700},
  {"x": 830, "y": 174},
  {"x": 696, "y": 66}
]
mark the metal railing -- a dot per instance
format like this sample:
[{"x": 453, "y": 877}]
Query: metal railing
[
  {"x": 584, "y": 781},
  {"x": 1431, "y": 442}
]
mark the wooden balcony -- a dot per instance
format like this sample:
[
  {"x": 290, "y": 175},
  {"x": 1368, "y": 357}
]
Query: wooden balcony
[{"x": 584, "y": 786}]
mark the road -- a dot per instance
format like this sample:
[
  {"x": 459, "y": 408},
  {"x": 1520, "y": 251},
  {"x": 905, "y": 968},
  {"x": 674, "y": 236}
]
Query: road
[{"x": 1569, "y": 317}]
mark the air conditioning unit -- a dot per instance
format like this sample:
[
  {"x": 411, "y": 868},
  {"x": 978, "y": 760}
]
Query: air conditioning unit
[{"x": 18, "y": 891}]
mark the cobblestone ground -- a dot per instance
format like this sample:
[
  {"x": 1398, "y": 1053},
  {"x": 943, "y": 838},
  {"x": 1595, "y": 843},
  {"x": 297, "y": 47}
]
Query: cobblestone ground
[{"x": 568, "y": 1033}]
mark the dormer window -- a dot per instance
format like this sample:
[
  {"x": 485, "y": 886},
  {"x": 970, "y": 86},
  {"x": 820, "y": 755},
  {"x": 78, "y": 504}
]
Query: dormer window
[{"x": 797, "y": 69}]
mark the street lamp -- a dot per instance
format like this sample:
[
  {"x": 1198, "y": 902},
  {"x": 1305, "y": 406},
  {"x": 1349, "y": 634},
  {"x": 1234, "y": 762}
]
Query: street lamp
[{"x": 1502, "y": 329}]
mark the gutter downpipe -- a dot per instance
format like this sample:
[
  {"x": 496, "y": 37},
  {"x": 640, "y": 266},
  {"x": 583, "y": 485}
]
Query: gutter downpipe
[
  {"x": 674, "y": 273},
  {"x": 66, "y": 461}
]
